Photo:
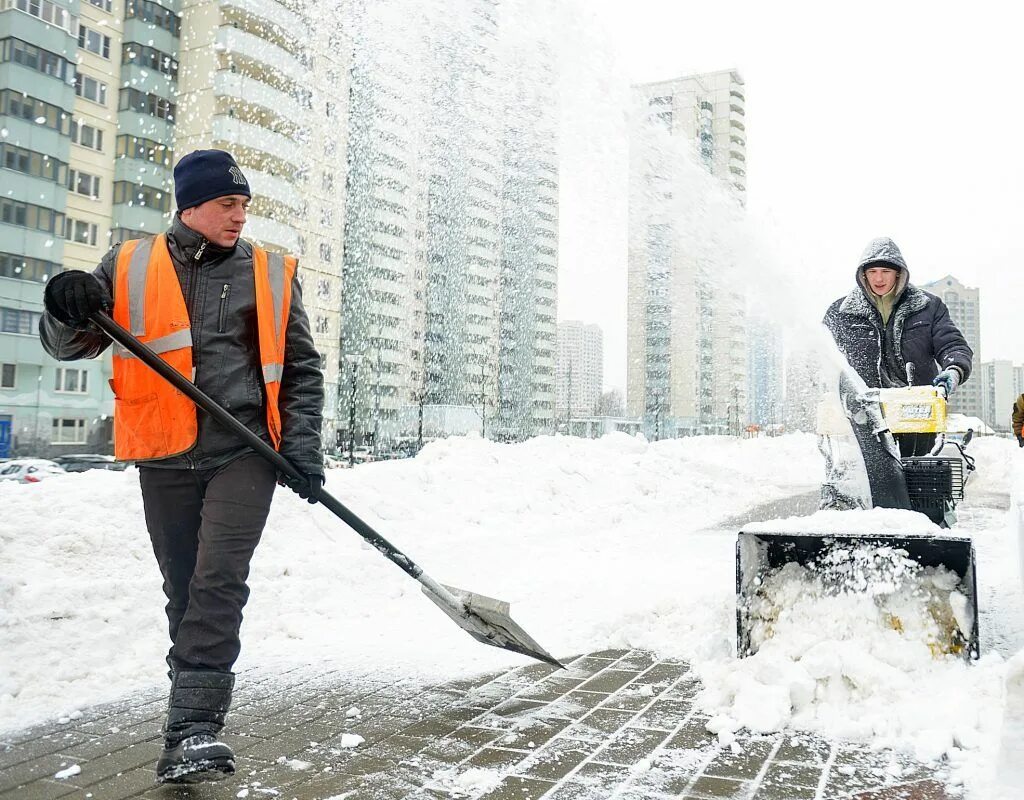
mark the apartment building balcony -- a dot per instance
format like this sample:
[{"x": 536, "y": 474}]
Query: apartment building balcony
[
  {"x": 235, "y": 132},
  {"x": 274, "y": 187},
  {"x": 271, "y": 11},
  {"x": 148, "y": 81},
  {"x": 244, "y": 87},
  {"x": 140, "y": 218},
  {"x": 233, "y": 40},
  {"x": 271, "y": 233}
]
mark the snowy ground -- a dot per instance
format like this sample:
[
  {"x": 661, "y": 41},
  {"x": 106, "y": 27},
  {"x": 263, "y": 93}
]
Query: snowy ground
[{"x": 609, "y": 543}]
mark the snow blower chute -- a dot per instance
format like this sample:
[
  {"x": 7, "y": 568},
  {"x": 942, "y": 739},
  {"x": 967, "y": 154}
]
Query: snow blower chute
[{"x": 931, "y": 484}]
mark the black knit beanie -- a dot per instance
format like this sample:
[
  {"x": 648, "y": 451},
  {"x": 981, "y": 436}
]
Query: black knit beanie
[{"x": 205, "y": 175}]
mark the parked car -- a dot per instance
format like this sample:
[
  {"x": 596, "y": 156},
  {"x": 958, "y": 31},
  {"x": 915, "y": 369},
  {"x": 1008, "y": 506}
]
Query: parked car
[
  {"x": 29, "y": 470},
  {"x": 80, "y": 462}
]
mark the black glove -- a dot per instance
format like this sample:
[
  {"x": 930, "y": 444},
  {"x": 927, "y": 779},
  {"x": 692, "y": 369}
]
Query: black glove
[
  {"x": 74, "y": 296},
  {"x": 307, "y": 487},
  {"x": 1020, "y": 441}
]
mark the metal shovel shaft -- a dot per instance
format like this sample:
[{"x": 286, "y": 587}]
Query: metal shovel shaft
[{"x": 486, "y": 624}]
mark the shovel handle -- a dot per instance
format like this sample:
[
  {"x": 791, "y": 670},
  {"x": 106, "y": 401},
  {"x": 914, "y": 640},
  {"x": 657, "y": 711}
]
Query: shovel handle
[{"x": 211, "y": 407}]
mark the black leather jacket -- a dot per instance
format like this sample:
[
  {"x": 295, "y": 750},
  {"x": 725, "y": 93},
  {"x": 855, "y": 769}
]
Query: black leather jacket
[{"x": 219, "y": 292}]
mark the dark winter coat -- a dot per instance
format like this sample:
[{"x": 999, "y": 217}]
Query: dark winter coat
[
  {"x": 219, "y": 291},
  {"x": 1017, "y": 417},
  {"x": 919, "y": 339}
]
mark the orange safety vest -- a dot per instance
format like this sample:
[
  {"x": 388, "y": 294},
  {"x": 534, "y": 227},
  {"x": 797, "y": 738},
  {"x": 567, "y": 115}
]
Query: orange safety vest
[{"x": 153, "y": 419}]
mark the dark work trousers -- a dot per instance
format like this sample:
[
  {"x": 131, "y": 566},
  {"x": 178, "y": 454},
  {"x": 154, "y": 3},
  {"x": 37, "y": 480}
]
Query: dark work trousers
[
  {"x": 205, "y": 525},
  {"x": 914, "y": 444}
]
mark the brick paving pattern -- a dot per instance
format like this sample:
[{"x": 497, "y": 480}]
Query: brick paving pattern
[{"x": 614, "y": 724}]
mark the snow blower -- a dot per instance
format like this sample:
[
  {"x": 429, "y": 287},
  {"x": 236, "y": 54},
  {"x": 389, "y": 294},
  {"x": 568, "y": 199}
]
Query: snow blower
[{"x": 932, "y": 485}]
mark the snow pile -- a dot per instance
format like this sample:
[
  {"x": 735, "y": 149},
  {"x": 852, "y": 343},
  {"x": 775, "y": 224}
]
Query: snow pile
[
  {"x": 586, "y": 538},
  {"x": 616, "y": 542},
  {"x": 858, "y": 646}
]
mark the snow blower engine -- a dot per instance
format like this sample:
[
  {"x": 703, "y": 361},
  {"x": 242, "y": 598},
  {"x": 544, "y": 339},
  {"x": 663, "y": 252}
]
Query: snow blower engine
[{"x": 930, "y": 484}]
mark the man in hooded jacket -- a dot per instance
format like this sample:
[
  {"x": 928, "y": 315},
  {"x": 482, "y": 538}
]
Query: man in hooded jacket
[{"x": 894, "y": 334}]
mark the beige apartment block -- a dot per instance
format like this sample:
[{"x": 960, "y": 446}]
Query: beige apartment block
[
  {"x": 686, "y": 339},
  {"x": 93, "y": 134},
  {"x": 269, "y": 84}
]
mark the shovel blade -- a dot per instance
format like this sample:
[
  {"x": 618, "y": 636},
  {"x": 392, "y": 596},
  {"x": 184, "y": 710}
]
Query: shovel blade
[{"x": 488, "y": 621}]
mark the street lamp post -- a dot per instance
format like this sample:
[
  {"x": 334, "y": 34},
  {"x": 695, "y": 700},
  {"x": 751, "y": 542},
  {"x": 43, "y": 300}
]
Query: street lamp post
[{"x": 353, "y": 363}]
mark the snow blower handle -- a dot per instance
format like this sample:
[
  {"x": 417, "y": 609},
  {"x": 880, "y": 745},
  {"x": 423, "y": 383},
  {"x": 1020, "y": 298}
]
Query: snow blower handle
[{"x": 211, "y": 407}]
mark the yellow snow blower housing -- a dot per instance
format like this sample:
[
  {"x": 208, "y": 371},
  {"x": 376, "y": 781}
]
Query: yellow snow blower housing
[{"x": 915, "y": 409}]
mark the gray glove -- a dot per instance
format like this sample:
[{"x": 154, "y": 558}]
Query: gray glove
[{"x": 948, "y": 380}]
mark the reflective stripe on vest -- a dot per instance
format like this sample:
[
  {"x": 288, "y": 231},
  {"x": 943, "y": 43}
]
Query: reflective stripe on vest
[
  {"x": 152, "y": 419},
  {"x": 274, "y": 273}
]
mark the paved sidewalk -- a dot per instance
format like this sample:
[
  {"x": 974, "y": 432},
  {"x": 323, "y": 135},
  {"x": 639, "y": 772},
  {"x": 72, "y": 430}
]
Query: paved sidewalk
[{"x": 614, "y": 724}]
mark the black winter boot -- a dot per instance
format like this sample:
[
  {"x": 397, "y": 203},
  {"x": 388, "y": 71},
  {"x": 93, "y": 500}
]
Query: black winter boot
[{"x": 199, "y": 701}]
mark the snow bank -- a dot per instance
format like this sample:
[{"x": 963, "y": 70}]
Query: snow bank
[
  {"x": 587, "y": 539},
  {"x": 610, "y": 543}
]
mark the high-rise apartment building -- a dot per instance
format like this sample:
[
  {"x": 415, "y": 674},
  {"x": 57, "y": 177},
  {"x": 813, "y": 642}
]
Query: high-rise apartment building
[
  {"x": 1001, "y": 382},
  {"x": 59, "y": 68},
  {"x": 764, "y": 373},
  {"x": 965, "y": 310},
  {"x": 580, "y": 376},
  {"x": 451, "y": 228},
  {"x": 268, "y": 81},
  {"x": 686, "y": 345},
  {"x": 98, "y": 100}
]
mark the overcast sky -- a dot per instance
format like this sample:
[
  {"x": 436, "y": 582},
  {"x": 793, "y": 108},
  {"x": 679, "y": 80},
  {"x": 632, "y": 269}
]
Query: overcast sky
[{"x": 898, "y": 119}]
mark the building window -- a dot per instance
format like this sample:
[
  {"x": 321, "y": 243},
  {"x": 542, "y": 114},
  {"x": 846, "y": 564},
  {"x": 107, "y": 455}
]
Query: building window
[
  {"x": 91, "y": 89},
  {"x": 16, "y": 320},
  {"x": 149, "y": 57},
  {"x": 151, "y": 12},
  {"x": 84, "y": 184},
  {"x": 45, "y": 10},
  {"x": 87, "y": 136},
  {"x": 93, "y": 41},
  {"x": 31, "y": 163},
  {"x": 323, "y": 324},
  {"x": 106, "y": 5},
  {"x": 144, "y": 150},
  {"x": 27, "y": 215},
  {"x": 154, "y": 105},
  {"x": 118, "y": 235},
  {"x": 22, "y": 106},
  {"x": 8, "y": 375},
  {"x": 35, "y": 58},
  {"x": 76, "y": 230},
  {"x": 325, "y": 252},
  {"x": 25, "y": 268},
  {"x": 68, "y": 379},
  {"x": 138, "y": 194},
  {"x": 68, "y": 431}
]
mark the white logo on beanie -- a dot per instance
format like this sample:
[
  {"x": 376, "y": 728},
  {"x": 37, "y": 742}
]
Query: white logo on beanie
[{"x": 237, "y": 176}]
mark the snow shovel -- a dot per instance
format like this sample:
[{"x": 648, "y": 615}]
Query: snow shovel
[{"x": 485, "y": 619}]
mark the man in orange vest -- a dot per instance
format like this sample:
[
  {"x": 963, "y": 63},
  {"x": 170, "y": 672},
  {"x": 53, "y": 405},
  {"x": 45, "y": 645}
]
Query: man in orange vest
[{"x": 229, "y": 316}]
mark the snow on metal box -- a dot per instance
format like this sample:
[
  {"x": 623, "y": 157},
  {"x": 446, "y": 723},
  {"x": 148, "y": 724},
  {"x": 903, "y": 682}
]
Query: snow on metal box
[{"x": 762, "y": 553}]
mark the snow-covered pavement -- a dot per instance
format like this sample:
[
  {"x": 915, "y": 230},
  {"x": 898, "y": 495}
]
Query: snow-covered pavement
[{"x": 597, "y": 544}]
